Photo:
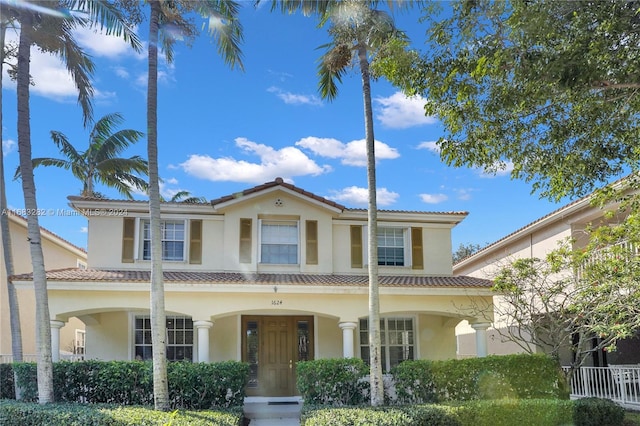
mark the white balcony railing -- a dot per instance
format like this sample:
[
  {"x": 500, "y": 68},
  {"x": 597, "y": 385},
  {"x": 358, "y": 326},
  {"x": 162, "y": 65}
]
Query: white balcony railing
[{"x": 619, "y": 383}]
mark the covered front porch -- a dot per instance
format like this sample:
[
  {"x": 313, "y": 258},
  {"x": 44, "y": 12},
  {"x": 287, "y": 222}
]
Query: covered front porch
[{"x": 271, "y": 322}]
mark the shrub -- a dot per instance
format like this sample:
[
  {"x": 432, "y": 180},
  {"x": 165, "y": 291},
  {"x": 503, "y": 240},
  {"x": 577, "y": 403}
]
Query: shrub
[
  {"x": 336, "y": 382},
  {"x": 193, "y": 386},
  {"x": 7, "y": 390},
  {"x": 14, "y": 413},
  {"x": 597, "y": 412},
  {"x": 418, "y": 415},
  {"x": 520, "y": 376},
  {"x": 509, "y": 412}
]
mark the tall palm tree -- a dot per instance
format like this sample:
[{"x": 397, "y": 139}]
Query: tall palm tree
[
  {"x": 12, "y": 296},
  {"x": 47, "y": 24},
  {"x": 357, "y": 32},
  {"x": 100, "y": 162},
  {"x": 227, "y": 32}
]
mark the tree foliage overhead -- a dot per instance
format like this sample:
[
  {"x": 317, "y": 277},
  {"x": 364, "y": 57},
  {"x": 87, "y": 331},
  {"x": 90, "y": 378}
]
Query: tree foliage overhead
[{"x": 551, "y": 86}]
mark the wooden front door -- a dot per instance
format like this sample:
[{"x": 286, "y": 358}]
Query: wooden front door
[{"x": 272, "y": 345}]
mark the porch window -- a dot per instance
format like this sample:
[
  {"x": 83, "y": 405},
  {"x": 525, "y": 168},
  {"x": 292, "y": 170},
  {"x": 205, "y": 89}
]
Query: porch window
[
  {"x": 391, "y": 247},
  {"x": 172, "y": 232},
  {"x": 279, "y": 242},
  {"x": 397, "y": 336},
  {"x": 179, "y": 338}
]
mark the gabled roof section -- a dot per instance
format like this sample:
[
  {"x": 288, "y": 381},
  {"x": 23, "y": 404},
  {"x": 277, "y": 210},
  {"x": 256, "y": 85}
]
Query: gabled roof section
[{"x": 276, "y": 184}]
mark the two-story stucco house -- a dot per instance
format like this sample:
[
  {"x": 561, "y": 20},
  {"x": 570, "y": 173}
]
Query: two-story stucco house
[
  {"x": 58, "y": 253},
  {"x": 536, "y": 240},
  {"x": 271, "y": 275}
]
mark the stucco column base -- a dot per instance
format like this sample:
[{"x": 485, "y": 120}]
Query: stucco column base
[
  {"x": 481, "y": 338},
  {"x": 203, "y": 339},
  {"x": 347, "y": 338},
  {"x": 55, "y": 339}
]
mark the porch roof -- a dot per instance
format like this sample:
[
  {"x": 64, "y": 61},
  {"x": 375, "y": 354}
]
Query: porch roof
[{"x": 138, "y": 276}]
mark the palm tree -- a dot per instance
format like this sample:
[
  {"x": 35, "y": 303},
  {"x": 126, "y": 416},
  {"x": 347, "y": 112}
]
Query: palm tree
[
  {"x": 12, "y": 296},
  {"x": 185, "y": 197},
  {"x": 43, "y": 23},
  {"x": 100, "y": 162},
  {"x": 165, "y": 15},
  {"x": 357, "y": 32}
]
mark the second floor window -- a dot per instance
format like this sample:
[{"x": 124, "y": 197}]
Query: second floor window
[
  {"x": 391, "y": 247},
  {"x": 279, "y": 242},
  {"x": 172, "y": 240}
]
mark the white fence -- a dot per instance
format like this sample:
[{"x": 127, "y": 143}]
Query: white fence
[{"x": 619, "y": 383}]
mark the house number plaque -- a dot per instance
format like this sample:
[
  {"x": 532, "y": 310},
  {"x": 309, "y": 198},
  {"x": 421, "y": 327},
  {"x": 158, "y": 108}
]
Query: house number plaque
[{"x": 276, "y": 302}]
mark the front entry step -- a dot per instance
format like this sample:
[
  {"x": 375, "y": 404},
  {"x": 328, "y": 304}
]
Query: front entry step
[{"x": 266, "y": 411}]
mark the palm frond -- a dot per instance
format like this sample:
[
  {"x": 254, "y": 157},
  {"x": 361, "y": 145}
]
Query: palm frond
[
  {"x": 133, "y": 164},
  {"x": 330, "y": 74},
  {"x": 45, "y": 162},
  {"x": 114, "y": 144},
  {"x": 224, "y": 27},
  {"x": 103, "y": 127},
  {"x": 65, "y": 147},
  {"x": 108, "y": 17}
]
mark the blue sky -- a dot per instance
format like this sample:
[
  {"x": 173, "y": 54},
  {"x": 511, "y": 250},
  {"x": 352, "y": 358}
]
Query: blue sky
[{"x": 223, "y": 130}]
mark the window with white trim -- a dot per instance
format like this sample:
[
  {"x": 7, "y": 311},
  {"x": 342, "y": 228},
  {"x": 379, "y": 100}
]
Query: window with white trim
[
  {"x": 79, "y": 342},
  {"x": 172, "y": 232},
  {"x": 279, "y": 241},
  {"x": 179, "y": 338},
  {"x": 391, "y": 247},
  {"x": 398, "y": 341}
]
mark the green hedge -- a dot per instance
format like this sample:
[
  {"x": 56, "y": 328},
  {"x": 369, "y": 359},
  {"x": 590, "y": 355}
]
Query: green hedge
[
  {"x": 418, "y": 415},
  {"x": 522, "y": 412},
  {"x": 14, "y": 413},
  {"x": 191, "y": 385},
  {"x": 520, "y": 376},
  {"x": 6, "y": 382},
  {"x": 335, "y": 382},
  {"x": 497, "y": 412}
]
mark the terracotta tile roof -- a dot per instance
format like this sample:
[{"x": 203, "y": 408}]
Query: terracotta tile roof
[
  {"x": 104, "y": 276},
  {"x": 277, "y": 182}
]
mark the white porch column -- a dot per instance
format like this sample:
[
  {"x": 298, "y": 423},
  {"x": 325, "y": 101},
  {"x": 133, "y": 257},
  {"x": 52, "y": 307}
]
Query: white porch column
[
  {"x": 347, "y": 338},
  {"x": 481, "y": 338},
  {"x": 203, "y": 339},
  {"x": 55, "y": 339}
]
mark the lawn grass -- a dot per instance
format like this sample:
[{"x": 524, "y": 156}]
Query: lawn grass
[{"x": 632, "y": 418}]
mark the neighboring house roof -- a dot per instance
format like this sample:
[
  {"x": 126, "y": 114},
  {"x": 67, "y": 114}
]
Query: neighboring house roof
[
  {"x": 103, "y": 275},
  {"x": 581, "y": 204},
  {"x": 51, "y": 236}
]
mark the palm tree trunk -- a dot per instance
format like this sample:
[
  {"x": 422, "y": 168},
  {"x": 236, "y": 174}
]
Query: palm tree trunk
[
  {"x": 12, "y": 297},
  {"x": 43, "y": 330},
  {"x": 158, "y": 316},
  {"x": 377, "y": 386}
]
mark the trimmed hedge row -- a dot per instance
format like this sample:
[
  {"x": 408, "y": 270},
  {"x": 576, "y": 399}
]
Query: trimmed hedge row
[
  {"x": 14, "y": 413},
  {"x": 7, "y": 390},
  {"x": 336, "y": 382},
  {"x": 191, "y": 385},
  {"x": 499, "y": 412},
  {"x": 521, "y": 376}
]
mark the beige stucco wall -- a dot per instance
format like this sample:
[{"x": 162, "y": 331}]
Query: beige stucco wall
[{"x": 57, "y": 254}]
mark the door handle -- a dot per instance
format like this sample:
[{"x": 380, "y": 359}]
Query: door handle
[{"x": 290, "y": 363}]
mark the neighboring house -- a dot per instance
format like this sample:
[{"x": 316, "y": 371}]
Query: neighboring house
[
  {"x": 270, "y": 276},
  {"x": 536, "y": 240},
  {"x": 58, "y": 253}
]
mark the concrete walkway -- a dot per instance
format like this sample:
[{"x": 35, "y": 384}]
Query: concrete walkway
[{"x": 273, "y": 411}]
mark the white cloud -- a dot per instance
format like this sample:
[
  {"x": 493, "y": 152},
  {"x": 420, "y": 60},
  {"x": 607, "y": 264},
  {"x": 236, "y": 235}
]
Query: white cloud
[
  {"x": 430, "y": 145},
  {"x": 360, "y": 196},
  {"x": 121, "y": 72},
  {"x": 400, "y": 112},
  {"x": 8, "y": 146},
  {"x": 295, "y": 99},
  {"x": 433, "y": 198},
  {"x": 84, "y": 229},
  {"x": 353, "y": 153},
  {"x": 285, "y": 162},
  {"x": 98, "y": 44}
]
